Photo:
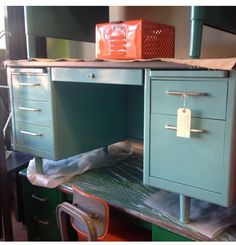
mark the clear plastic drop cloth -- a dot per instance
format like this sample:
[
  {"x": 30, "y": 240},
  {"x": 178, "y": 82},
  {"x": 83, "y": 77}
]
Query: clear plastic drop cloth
[{"x": 58, "y": 172}]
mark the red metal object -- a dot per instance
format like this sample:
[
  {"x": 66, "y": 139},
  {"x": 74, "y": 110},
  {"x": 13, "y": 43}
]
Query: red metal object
[{"x": 135, "y": 39}]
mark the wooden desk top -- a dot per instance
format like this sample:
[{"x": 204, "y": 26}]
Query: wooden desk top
[
  {"x": 76, "y": 63},
  {"x": 121, "y": 186}
]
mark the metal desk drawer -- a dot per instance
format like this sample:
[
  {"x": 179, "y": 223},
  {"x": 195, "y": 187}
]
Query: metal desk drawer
[
  {"x": 32, "y": 136},
  {"x": 207, "y": 98},
  {"x": 33, "y": 87},
  {"x": 33, "y": 112},
  {"x": 107, "y": 76},
  {"x": 192, "y": 162}
]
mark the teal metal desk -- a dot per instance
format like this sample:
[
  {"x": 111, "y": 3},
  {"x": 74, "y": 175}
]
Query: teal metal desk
[{"x": 64, "y": 108}]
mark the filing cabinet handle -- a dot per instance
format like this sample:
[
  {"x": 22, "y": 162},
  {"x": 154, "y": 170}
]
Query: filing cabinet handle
[
  {"x": 178, "y": 93},
  {"x": 41, "y": 199},
  {"x": 196, "y": 131},
  {"x": 30, "y": 133},
  {"x": 91, "y": 75},
  {"x": 29, "y": 84},
  {"x": 28, "y": 109},
  {"x": 41, "y": 221}
]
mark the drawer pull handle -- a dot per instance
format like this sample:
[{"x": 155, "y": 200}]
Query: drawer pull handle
[
  {"x": 29, "y": 84},
  {"x": 91, "y": 75},
  {"x": 41, "y": 199},
  {"x": 196, "y": 131},
  {"x": 30, "y": 133},
  {"x": 41, "y": 221},
  {"x": 28, "y": 109},
  {"x": 186, "y": 93}
]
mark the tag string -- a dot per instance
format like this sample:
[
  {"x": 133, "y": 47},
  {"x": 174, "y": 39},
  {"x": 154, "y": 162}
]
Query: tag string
[{"x": 184, "y": 97}]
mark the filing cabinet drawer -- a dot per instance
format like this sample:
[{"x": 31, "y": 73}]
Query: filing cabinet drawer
[
  {"x": 40, "y": 211},
  {"x": 108, "y": 76},
  {"x": 196, "y": 161},
  {"x": 33, "y": 87},
  {"x": 33, "y": 112},
  {"x": 33, "y": 136},
  {"x": 207, "y": 99},
  {"x": 43, "y": 200}
]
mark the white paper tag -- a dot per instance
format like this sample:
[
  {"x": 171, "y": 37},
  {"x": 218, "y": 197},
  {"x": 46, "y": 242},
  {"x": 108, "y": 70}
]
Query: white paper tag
[{"x": 183, "y": 122}]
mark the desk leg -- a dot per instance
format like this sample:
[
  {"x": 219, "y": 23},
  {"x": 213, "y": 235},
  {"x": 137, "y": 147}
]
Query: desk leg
[
  {"x": 195, "y": 38},
  {"x": 39, "y": 165},
  {"x": 184, "y": 209},
  {"x": 18, "y": 197}
]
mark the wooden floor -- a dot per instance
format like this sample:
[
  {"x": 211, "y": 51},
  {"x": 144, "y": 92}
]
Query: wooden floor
[{"x": 19, "y": 230}]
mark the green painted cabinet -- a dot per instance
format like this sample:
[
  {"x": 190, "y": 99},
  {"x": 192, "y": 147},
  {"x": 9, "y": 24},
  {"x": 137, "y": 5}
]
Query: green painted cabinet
[
  {"x": 160, "y": 234},
  {"x": 40, "y": 211},
  {"x": 201, "y": 166}
]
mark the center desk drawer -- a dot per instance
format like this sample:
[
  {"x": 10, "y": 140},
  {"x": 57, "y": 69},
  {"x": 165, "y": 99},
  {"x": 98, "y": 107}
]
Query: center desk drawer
[
  {"x": 33, "y": 87},
  {"x": 206, "y": 99},
  {"x": 108, "y": 76},
  {"x": 34, "y": 136},
  {"x": 34, "y": 112}
]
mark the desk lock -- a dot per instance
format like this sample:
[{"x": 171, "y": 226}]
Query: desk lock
[{"x": 91, "y": 76}]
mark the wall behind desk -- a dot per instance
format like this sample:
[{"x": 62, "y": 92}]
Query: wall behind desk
[{"x": 215, "y": 43}]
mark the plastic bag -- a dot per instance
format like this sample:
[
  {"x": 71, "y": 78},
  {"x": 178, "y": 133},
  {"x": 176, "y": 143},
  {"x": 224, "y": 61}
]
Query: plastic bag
[{"x": 58, "y": 172}]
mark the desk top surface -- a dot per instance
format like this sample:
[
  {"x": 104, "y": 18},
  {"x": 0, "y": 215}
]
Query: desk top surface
[
  {"x": 76, "y": 63},
  {"x": 155, "y": 63},
  {"x": 121, "y": 186}
]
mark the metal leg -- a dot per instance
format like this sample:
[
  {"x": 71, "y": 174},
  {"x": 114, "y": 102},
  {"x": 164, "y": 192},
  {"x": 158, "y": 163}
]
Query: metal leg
[
  {"x": 105, "y": 149},
  {"x": 66, "y": 209},
  {"x": 184, "y": 209},
  {"x": 195, "y": 38},
  {"x": 39, "y": 165},
  {"x": 31, "y": 45}
]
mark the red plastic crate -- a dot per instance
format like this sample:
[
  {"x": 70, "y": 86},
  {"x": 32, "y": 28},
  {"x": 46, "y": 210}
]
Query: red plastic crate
[{"x": 135, "y": 39}]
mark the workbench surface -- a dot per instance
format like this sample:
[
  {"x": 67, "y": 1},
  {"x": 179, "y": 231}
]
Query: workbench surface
[{"x": 121, "y": 185}]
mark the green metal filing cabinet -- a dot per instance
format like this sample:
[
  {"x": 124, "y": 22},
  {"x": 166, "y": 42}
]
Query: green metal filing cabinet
[
  {"x": 40, "y": 211},
  {"x": 202, "y": 166},
  {"x": 61, "y": 112}
]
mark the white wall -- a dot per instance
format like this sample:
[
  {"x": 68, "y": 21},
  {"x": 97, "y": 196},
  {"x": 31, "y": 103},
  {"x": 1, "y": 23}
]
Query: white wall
[{"x": 215, "y": 43}]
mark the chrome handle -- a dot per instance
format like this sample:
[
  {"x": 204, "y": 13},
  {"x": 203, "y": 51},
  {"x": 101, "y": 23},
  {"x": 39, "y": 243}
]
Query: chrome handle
[
  {"x": 28, "y": 109},
  {"x": 41, "y": 221},
  {"x": 29, "y": 84},
  {"x": 41, "y": 199},
  {"x": 178, "y": 93},
  {"x": 91, "y": 75},
  {"x": 30, "y": 133},
  {"x": 3, "y": 86},
  {"x": 196, "y": 131}
]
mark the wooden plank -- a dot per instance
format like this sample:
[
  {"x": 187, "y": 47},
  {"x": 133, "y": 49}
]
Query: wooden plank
[{"x": 96, "y": 64}]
